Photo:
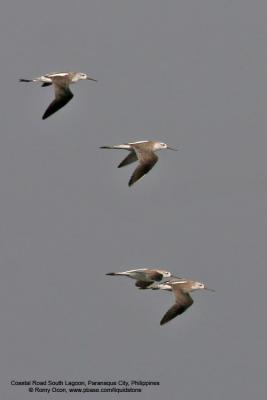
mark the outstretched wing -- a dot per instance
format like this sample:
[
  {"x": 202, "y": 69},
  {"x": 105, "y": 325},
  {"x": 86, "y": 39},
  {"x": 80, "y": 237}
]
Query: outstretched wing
[
  {"x": 183, "y": 301},
  {"x": 147, "y": 161},
  {"x": 62, "y": 96},
  {"x": 132, "y": 157},
  {"x": 154, "y": 275},
  {"x": 143, "y": 284}
]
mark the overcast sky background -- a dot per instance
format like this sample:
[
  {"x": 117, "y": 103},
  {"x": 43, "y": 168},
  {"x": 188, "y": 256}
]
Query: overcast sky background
[{"x": 192, "y": 74}]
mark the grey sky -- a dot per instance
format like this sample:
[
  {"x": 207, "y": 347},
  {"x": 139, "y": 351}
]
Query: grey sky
[{"x": 192, "y": 74}]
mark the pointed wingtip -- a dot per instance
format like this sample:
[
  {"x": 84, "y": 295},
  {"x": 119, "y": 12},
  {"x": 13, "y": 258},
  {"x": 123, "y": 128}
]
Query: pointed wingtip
[
  {"x": 110, "y": 273},
  {"x": 165, "y": 319},
  {"x": 131, "y": 181},
  {"x": 47, "y": 113}
]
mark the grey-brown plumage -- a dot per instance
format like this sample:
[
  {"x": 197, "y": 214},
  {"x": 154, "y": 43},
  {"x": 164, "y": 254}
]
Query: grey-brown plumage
[
  {"x": 143, "y": 152},
  {"x": 63, "y": 95},
  {"x": 183, "y": 300},
  {"x": 147, "y": 160},
  {"x": 61, "y": 82},
  {"x": 144, "y": 276},
  {"x": 132, "y": 157}
]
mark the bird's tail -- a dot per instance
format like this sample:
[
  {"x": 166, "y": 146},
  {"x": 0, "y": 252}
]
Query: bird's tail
[
  {"x": 119, "y": 146},
  {"x": 26, "y": 80},
  {"x": 116, "y": 273}
]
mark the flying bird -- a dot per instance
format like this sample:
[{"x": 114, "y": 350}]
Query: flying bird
[
  {"x": 61, "y": 82},
  {"x": 144, "y": 276},
  {"x": 143, "y": 152},
  {"x": 181, "y": 289}
]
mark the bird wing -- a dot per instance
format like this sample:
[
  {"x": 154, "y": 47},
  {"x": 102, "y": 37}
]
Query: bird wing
[
  {"x": 132, "y": 157},
  {"x": 62, "y": 96},
  {"x": 154, "y": 275},
  {"x": 183, "y": 301},
  {"x": 143, "y": 284},
  {"x": 147, "y": 161}
]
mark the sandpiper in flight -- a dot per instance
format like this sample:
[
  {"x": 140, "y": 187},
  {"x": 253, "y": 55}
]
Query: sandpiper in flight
[
  {"x": 144, "y": 276},
  {"x": 142, "y": 151},
  {"x": 183, "y": 300},
  {"x": 61, "y": 82}
]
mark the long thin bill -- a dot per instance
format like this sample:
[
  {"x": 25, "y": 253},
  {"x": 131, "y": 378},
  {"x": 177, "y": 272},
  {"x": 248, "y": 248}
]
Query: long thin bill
[
  {"x": 172, "y": 148},
  {"x": 91, "y": 79},
  {"x": 210, "y": 290}
]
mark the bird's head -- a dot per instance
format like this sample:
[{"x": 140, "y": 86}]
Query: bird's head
[
  {"x": 83, "y": 76},
  {"x": 161, "y": 146}
]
